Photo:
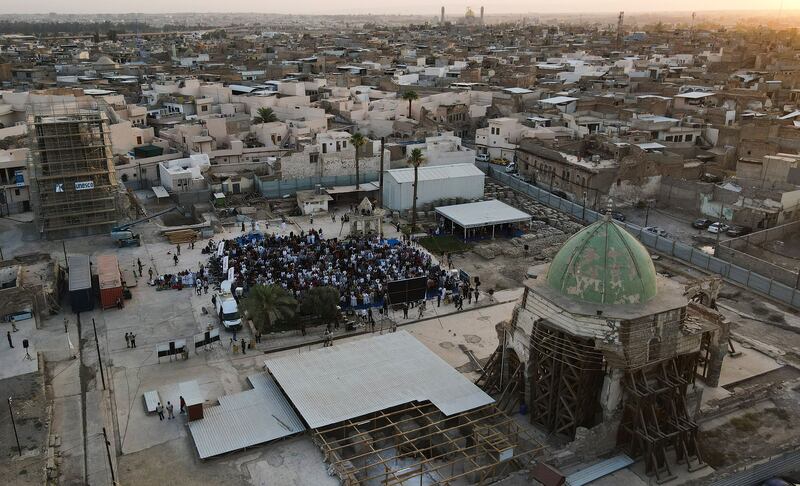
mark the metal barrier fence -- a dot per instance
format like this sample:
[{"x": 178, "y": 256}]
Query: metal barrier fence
[
  {"x": 275, "y": 189},
  {"x": 687, "y": 253}
]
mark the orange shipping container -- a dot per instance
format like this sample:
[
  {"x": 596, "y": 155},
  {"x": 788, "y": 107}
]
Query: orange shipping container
[{"x": 110, "y": 280}]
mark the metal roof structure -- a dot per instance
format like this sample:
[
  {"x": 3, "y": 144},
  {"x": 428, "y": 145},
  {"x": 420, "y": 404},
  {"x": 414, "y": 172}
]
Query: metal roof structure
[
  {"x": 350, "y": 380},
  {"x": 245, "y": 419},
  {"x": 558, "y": 100},
  {"x": 435, "y": 173},
  {"x": 597, "y": 471},
  {"x": 695, "y": 95},
  {"x": 160, "y": 191},
  {"x": 108, "y": 272},
  {"x": 80, "y": 273},
  {"x": 483, "y": 213}
]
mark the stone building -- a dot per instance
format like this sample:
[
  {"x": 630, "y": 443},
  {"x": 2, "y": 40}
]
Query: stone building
[{"x": 600, "y": 341}]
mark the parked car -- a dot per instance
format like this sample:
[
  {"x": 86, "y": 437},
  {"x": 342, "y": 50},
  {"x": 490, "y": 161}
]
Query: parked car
[
  {"x": 736, "y": 230},
  {"x": 561, "y": 194},
  {"x": 656, "y": 231},
  {"x": 482, "y": 157},
  {"x": 511, "y": 168},
  {"x": 614, "y": 214},
  {"x": 718, "y": 228},
  {"x": 702, "y": 223}
]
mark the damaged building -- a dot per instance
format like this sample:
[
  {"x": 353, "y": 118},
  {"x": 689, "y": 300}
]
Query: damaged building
[{"x": 600, "y": 341}]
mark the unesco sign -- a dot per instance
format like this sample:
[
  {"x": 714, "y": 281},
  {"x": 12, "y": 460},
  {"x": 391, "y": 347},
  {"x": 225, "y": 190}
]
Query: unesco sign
[{"x": 82, "y": 186}]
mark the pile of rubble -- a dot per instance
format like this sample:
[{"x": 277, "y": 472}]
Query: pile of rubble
[
  {"x": 539, "y": 211},
  {"x": 542, "y": 243}
]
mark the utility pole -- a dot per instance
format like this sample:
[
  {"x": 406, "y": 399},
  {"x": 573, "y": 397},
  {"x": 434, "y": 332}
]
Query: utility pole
[
  {"x": 99, "y": 357},
  {"x": 380, "y": 180},
  {"x": 620, "y": 20},
  {"x": 583, "y": 213},
  {"x": 64, "y": 247},
  {"x": 108, "y": 452},
  {"x": 14, "y": 424}
]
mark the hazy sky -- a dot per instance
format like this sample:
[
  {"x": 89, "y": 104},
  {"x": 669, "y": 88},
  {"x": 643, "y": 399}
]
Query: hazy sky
[{"x": 420, "y": 7}]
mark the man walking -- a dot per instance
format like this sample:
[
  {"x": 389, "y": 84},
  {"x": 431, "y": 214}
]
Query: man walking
[
  {"x": 244, "y": 347},
  {"x": 170, "y": 413},
  {"x": 150, "y": 272},
  {"x": 127, "y": 340},
  {"x": 133, "y": 340},
  {"x": 405, "y": 311},
  {"x": 139, "y": 263},
  {"x": 175, "y": 258},
  {"x": 183, "y": 404},
  {"x": 178, "y": 249},
  {"x": 8, "y": 336},
  {"x": 160, "y": 411}
]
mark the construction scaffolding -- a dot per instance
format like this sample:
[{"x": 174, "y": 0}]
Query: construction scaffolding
[
  {"x": 566, "y": 375},
  {"x": 655, "y": 419},
  {"x": 73, "y": 183},
  {"x": 417, "y": 442}
]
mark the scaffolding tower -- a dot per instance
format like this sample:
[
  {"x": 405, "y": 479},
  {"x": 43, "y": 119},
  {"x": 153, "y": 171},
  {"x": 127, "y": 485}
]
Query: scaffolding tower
[{"x": 73, "y": 183}]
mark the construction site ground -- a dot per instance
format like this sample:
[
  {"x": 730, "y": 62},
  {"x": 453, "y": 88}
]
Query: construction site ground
[{"x": 149, "y": 451}]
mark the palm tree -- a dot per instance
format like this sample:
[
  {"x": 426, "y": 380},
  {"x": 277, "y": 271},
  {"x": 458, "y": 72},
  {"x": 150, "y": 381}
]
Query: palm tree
[
  {"x": 268, "y": 303},
  {"x": 410, "y": 96},
  {"x": 415, "y": 160},
  {"x": 265, "y": 115},
  {"x": 358, "y": 141}
]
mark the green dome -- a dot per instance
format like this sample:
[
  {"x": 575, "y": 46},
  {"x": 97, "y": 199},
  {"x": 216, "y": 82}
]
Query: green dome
[{"x": 603, "y": 264}]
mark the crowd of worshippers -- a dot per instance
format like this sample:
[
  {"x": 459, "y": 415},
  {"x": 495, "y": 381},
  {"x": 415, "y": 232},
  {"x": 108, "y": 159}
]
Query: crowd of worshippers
[{"x": 357, "y": 268}]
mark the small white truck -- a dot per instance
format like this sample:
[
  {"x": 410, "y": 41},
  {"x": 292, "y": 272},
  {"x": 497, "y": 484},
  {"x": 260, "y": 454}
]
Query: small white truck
[{"x": 227, "y": 308}]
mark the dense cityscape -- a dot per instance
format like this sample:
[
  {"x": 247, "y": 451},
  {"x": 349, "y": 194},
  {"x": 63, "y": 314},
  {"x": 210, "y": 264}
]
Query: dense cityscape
[{"x": 448, "y": 247}]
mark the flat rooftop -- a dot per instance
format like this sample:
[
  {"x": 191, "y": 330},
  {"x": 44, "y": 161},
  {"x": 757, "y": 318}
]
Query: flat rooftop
[
  {"x": 350, "y": 380},
  {"x": 483, "y": 213}
]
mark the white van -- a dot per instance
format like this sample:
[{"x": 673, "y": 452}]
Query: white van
[
  {"x": 482, "y": 157},
  {"x": 227, "y": 308}
]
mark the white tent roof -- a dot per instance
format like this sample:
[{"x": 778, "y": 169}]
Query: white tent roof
[
  {"x": 349, "y": 380},
  {"x": 482, "y": 213}
]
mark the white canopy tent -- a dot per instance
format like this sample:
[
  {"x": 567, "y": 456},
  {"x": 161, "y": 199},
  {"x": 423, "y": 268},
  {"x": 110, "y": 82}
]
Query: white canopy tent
[{"x": 482, "y": 214}]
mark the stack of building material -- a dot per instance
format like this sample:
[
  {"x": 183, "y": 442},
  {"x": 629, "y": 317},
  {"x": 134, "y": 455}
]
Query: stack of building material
[{"x": 181, "y": 236}]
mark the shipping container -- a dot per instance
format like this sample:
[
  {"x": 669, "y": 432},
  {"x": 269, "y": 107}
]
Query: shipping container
[
  {"x": 80, "y": 283},
  {"x": 110, "y": 281}
]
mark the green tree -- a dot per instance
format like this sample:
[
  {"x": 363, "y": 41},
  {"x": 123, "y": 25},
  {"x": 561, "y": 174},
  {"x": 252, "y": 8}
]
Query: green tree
[
  {"x": 358, "y": 141},
  {"x": 266, "y": 304},
  {"x": 410, "y": 96},
  {"x": 415, "y": 160},
  {"x": 265, "y": 115},
  {"x": 322, "y": 302}
]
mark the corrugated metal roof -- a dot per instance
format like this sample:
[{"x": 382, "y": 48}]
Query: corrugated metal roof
[
  {"x": 435, "y": 172},
  {"x": 108, "y": 272},
  {"x": 80, "y": 274},
  {"x": 597, "y": 471},
  {"x": 482, "y": 213},
  {"x": 245, "y": 419},
  {"x": 352, "y": 379}
]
